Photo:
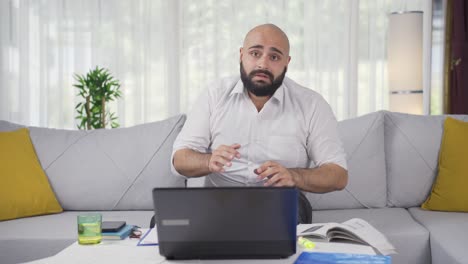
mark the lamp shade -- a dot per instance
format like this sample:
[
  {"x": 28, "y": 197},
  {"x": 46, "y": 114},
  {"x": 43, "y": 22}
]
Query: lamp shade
[{"x": 405, "y": 57}]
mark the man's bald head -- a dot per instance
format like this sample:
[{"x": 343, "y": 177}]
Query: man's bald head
[
  {"x": 264, "y": 60},
  {"x": 269, "y": 33}
]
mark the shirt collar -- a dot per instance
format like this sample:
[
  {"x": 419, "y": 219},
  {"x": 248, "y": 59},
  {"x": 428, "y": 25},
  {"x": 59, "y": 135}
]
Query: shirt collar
[
  {"x": 239, "y": 88},
  {"x": 278, "y": 95}
]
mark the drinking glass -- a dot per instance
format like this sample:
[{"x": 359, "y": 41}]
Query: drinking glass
[{"x": 89, "y": 229}]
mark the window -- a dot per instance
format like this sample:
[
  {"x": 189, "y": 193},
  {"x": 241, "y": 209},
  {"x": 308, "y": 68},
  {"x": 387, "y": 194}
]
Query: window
[{"x": 166, "y": 52}]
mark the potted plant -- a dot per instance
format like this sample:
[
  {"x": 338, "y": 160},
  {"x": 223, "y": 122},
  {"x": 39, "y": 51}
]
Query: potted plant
[{"x": 96, "y": 88}]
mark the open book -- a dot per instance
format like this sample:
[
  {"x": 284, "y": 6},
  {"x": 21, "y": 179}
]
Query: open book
[{"x": 355, "y": 230}]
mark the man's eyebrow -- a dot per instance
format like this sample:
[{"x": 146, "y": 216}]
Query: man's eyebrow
[
  {"x": 261, "y": 47},
  {"x": 276, "y": 50},
  {"x": 256, "y": 47}
]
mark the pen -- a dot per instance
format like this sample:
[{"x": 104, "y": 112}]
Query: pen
[{"x": 305, "y": 243}]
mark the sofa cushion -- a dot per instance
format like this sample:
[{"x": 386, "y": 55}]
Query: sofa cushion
[
  {"x": 362, "y": 140},
  {"x": 412, "y": 145},
  {"x": 24, "y": 189},
  {"x": 37, "y": 237},
  {"x": 449, "y": 190},
  {"x": 448, "y": 232},
  {"x": 108, "y": 169},
  {"x": 8, "y": 126},
  {"x": 410, "y": 239},
  {"x": 64, "y": 225}
]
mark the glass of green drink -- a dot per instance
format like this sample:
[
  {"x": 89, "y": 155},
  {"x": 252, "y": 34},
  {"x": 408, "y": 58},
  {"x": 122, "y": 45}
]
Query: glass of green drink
[{"x": 89, "y": 229}]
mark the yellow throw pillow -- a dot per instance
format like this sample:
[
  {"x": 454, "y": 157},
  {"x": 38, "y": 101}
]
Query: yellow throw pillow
[
  {"x": 449, "y": 192},
  {"x": 24, "y": 187}
]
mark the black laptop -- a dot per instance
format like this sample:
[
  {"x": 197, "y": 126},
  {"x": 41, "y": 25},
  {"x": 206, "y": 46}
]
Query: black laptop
[{"x": 226, "y": 223}]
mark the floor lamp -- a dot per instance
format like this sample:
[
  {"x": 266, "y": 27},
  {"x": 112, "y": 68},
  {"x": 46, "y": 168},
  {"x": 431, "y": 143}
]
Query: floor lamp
[{"x": 405, "y": 62}]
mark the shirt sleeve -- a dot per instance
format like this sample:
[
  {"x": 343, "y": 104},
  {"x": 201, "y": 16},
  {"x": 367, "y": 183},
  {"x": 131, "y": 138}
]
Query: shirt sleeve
[
  {"x": 323, "y": 143},
  {"x": 195, "y": 133}
]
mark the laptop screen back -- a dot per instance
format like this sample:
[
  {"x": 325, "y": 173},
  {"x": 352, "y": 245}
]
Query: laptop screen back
[{"x": 231, "y": 222}]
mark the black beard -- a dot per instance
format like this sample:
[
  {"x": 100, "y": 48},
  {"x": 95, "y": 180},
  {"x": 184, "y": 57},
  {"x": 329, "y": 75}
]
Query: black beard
[{"x": 264, "y": 89}]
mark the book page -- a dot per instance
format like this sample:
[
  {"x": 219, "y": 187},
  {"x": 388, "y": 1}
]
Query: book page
[
  {"x": 355, "y": 230},
  {"x": 315, "y": 230},
  {"x": 366, "y": 232},
  {"x": 341, "y": 235}
]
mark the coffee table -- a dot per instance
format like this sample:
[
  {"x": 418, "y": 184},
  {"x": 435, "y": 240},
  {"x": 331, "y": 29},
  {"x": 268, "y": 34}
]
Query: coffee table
[{"x": 127, "y": 251}]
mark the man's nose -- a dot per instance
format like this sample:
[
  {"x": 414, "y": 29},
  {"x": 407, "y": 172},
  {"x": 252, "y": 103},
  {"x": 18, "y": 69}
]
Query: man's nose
[{"x": 262, "y": 63}]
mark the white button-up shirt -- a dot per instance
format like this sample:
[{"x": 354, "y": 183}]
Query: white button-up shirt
[{"x": 295, "y": 128}]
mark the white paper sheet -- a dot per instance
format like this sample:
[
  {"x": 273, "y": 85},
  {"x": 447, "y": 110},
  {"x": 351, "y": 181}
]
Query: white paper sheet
[{"x": 149, "y": 237}]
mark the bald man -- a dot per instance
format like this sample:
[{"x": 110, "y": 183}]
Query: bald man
[{"x": 261, "y": 128}]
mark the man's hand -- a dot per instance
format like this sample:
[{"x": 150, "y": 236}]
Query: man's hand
[
  {"x": 325, "y": 178},
  {"x": 222, "y": 156},
  {"x": 276, "y": 174}
]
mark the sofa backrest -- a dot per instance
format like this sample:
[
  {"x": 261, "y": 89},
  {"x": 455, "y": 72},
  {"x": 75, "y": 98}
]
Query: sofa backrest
[
  {"x": 392, "y": 161},
  {"x": 412, "y": 144},
  {"x": 107, "y": 169},
  {"x": 362, "y": 139}
]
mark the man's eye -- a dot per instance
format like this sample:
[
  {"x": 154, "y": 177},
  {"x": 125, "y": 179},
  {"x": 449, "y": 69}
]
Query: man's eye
[
  {"x": 255, "y": 53},
  {"x": 274, "y": 57}
]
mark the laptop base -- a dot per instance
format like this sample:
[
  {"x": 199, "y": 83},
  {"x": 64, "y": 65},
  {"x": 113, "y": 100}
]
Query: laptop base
[{"x": 228, "y": 250}]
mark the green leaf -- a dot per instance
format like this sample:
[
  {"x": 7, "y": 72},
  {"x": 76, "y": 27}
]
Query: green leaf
[{"x": 97, "y": 83}]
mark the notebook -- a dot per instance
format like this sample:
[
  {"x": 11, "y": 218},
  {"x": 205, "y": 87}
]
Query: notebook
[
  {"x": 123, "y": 233},
  {"x": 226, "y": 222}
]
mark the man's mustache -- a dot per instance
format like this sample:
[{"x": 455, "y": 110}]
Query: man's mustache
[{"x": 267, "y": 73}]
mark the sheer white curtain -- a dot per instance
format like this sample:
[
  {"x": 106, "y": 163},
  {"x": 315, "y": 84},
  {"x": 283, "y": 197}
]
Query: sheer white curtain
[{"x": 165, "y": 52}]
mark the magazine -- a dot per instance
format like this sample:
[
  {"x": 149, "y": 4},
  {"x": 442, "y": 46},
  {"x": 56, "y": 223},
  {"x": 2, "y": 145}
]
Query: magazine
[{"x": 355, "y": 230}]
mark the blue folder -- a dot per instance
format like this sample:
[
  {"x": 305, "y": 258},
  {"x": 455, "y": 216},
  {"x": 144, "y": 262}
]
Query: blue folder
[{"x": 341, "y": 258}]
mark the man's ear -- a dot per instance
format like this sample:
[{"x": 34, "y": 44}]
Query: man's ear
[
  {"x": 240, "y": 54},
  {"x": 289, "y": 59}
]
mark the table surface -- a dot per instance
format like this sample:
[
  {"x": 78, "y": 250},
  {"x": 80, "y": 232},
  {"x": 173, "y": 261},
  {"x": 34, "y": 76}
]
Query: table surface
[{"x": 127, "y": 251}]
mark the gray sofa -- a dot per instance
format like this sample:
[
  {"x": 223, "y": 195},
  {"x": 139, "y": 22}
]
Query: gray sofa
[{"x": 392, "y": 162}]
